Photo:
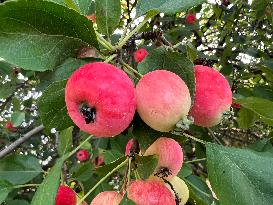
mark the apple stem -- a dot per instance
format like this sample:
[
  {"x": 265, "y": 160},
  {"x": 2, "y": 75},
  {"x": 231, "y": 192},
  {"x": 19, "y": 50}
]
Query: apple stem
[
  {"x": 196, "y": 160},
  {"x": 131, "y": 69},
  {"x": 104, "y": 42},
  {"x": 77, "y": 148},
  {"x": 123, "y": 41},
  {"x": 102, "y": 180},
  {"x": 110, "y": 58}
]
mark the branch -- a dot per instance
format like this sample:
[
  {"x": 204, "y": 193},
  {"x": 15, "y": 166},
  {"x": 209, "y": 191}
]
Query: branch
[{"x": 20, "y": 141}]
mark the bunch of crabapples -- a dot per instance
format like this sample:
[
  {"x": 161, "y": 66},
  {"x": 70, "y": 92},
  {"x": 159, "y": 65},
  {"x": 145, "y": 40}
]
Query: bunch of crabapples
[{"x": 101, "y": 100}]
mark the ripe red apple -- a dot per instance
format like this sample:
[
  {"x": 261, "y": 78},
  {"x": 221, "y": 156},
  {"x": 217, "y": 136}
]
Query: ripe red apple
[
  {"x": 9, "y": 125},
  {"x": 190, "y": 18},
  {"x": 107, "y": 198},
  {"x": 99, "y": 160},
  {"x": 163, "y": 99},
  {"x": 66, "y": 196},
  {"x": 170, "y": 157},
  {"x": 100, "y": 99},
  {"x": 82, "y": 155},
  {"x": 150, "y": 192},
  {"x": 140, "y": 54},
  {"x": 212, "y": 98},
  {"x": 132, "y": 147}
]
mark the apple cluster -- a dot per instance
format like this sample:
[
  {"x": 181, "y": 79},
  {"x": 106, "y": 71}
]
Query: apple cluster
[{"x": 102, "y": 100}]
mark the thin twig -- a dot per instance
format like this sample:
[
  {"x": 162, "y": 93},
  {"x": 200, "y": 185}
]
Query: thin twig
[
  {"x": 214, "y": 137},
  {"x": 20, "y": 141}
]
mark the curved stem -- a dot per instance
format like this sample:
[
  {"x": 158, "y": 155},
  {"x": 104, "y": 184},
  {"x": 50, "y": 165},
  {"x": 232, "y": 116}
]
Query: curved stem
[
  {"x": 110, "y": 58},
  {"x": 77, "y": 148},
  {"x": 196, "y": 160},
  {"x": 102, "y": 180},
  {"x": 25, "y": 185},
  {"x": 131, "y": 69},
  {"x": 104, "y": 42},
  {"x": 194, "y": 138},
  {"x": 123, "y": 41}
]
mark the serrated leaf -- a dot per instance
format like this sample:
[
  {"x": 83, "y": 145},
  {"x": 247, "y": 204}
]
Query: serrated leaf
[
  {"x": 19, "y": 169},
  {"x": 261, "y": 107},
  {"x": 240, "y": 176},
  {"x": 6, "y": 90},
  {"x": 111, "y": 155},
  {"x": 40, "y": 35},
  {"x": 48, "y": 189},
  {"x": 65, "y": 141},
  {"x": 87, "y": 6},
  {"x": 263, "y": 145},
  {"x": 62, "y": 72},
  {"x": 199, "y": 191},
  {"x": 246, "y": 118},
  {"x": 82, "y": 172},
  {"x": 146, "y": 165},
  {"x": 163, "y": 58},
  {"x": 5, "y": 68},
  {"x": 108, "y": 13},
  {"x": 5, "y": 188},
  {"x": 165, "y": 6},
  {"x": 52, "y": 107},
  {"x": 17, "y": 118}
]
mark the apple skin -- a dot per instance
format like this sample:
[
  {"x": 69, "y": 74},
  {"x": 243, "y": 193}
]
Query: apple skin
[
  {"x": 163, "y": 99},
  {"x": 82, "y": 155},
  {"x": 170, "y": 156},
  {"x": 140, "y": 54},
  {"x": 65, "y": 196},
  {"x": 180, "y": 188},
  {"x": 212, "y": 98},
  {"x": 190, "y": 18},
  {"x": 100, "y": 99},
  {"x": 150, "y": 192},
  {"x": 107, "y": 198}
]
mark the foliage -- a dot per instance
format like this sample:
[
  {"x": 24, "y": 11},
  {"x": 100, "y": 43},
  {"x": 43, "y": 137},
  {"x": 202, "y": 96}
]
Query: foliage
[{"x": 43, "y": 42}]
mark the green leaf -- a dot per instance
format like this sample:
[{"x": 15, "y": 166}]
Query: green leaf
[
  {"x": 146, "y": 165},
  {"x": 62, "y": 72},
  {"x": 5, "y": 188},
  {"x": 162, "y": 58},
  {"x": 87, "y": 6},
  {"x": 260, "y": 106},
  {"x": 108, "y": 14},
  {"x": 103, "y": 170},
  {"x": 6, "y": 89},
  {"x": 185, "y": 171},
  {"x": 259, "y": 6},
  {"x": 48, "y": 189},
  {"x": 40, "y": 35},
  {"x": 111, "y": 155},
  {"x": 17, "y": 118},
  {"x": 5, "y": 68},
  {"x": 16, "y": 104},
  {"x": 52, "y": 107},
  {"x": 240, "y": 176},
  {"x": 65, "y": 141},
  {"x": 17, "y": 202},
  {"x": 199, "y": 191},
  {"x": 263, "y": 145},
  {"x": 71, "y": 4},
  {"x": 19, "y": 169},
  {"x": 246, "y": 118},
  {"x": 165, "y": 6},
  {"x": 82, "y": 172}
]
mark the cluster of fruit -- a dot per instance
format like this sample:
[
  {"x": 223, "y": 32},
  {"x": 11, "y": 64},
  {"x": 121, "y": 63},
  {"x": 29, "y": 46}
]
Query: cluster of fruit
[
  {"x": 101, "y": 99},
  {"x": 162, "y": 187}
]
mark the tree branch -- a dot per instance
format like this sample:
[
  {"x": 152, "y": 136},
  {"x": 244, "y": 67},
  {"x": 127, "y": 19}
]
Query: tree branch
[{"x": 20, "y": 141}]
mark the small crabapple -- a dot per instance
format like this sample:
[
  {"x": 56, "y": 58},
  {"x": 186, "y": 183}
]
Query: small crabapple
[
  {"x": 163, "y": 99},
  {"x": 140, "y": 54},
  {"x": 212, "y": 98},
  {"x": 9, "y": 125},
  {"x": 65, "y": 196},
  {"x": 190, "y": 18},
  {"x": 82, "y": 155},
  {"x": 99, "y": 160},
  {"x": 132, "y": 147},
  {"x": 170, "y": 157},
  {"x": 180, "y": 189},
  {"x": 107, "y": 198},
  {"x": 100, "y": 99},
  {"x": 150, "y": 192},
  {"x": 92, "y": 17}
]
